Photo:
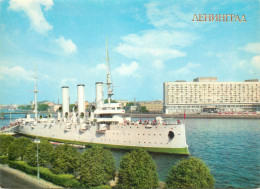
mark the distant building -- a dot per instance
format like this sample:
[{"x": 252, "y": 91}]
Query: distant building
[
  {"x": 133, "y": 108},
  {"x": 152, "y": 106},
  {"x": 123, "y": 102},
  {"x": 207, "y": 94}
]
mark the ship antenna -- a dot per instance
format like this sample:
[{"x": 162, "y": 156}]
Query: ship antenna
[
  {"x": 35, "y": 95},
  {"x": 109, "y": 80}
]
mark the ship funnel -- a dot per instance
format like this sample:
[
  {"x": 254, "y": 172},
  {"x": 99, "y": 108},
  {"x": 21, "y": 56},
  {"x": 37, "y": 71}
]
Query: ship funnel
[
  {"x": 99, "y": 94},
  {"x": 65, "y": 101},
  {"x": 81, "y": 101}
]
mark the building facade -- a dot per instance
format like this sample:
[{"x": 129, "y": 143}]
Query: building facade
[
  {"x": 153, "y": 106},
  {"x": 206, "y": 94}
]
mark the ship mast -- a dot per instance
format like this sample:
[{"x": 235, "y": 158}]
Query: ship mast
[
  {"x": 35, "y": 96},
  {"x": 109, "y": 82}
]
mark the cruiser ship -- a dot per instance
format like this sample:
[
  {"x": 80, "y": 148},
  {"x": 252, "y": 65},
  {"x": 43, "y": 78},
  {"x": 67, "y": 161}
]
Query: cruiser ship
[{"x": 105, "y": 125}]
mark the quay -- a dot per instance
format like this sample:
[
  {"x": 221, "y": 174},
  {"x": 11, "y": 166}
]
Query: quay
[
  {"x": 153, "y": 115},
  {"x": 197, "y": 116},
  {"x": 2, "y": 114}
]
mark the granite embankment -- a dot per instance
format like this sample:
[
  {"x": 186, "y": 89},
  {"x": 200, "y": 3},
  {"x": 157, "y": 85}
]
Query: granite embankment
[{"x": 197, "y": 116}]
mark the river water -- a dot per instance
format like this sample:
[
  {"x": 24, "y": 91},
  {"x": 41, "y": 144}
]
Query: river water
[{"x": 230, "y": 147}]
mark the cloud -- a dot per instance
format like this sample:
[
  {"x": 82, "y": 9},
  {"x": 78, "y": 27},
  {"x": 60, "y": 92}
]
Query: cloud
[
  {"x": 157, "y": 44},
  {"x": 256, "y": 62},
  {"x": 239, "y": 65},
  {"x": 165, "y": 41},
  {"x": 67, "y": 45},
  {"x": 101, "y": 66},
  {"x": 33, "y": 10},
  {"x": 167, "y": 14},
  {"x": 186, "y": 70},
  {"x": 158, "y": 64},
  {"x": 17, "y": 73},
  {"x": 127, "y": 70},
  {"x": 68, "y": 81},
  {"x": 252, "y": 47}
]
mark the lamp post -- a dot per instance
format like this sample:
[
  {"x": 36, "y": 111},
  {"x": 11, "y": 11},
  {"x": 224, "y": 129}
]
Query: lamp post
[{"x": 37, "y": 155}]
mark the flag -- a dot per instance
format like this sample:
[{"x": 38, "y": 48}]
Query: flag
[{"x": 184, "y": 115}]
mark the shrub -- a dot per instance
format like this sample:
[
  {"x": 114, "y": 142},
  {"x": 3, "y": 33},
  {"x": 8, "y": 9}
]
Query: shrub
[
  {"x": 98, "y": 167},
  {"x": 18, "y": 148},
  {"x": 66, "y": 159},
  {"x": 137, "y": 170},
  {"x": 190, "y": 173},
  {"x": 4, "y": 159},
  {"x": 45, "y": 151},
  {"x": 65, "y": 180},
  {"x": 101, "y": 187},
  {"x": 5, "y": 141}
]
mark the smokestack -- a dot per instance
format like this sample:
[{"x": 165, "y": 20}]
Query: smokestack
[
  {"x": 99, "y": 94},
  {"x": 81, "y": 101},
  {"x": 65, "y": 101}
]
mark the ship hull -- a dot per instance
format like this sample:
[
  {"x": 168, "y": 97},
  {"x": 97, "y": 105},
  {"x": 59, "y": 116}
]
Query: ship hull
[{"x": 128, "y": 137}]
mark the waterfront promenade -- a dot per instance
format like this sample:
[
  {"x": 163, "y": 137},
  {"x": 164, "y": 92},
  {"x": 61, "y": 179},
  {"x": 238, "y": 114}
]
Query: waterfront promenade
[{"x": 13, "y": 178}]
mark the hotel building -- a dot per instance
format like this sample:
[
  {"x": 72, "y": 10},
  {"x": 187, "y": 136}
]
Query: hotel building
[{"x": 206, "y": 94}]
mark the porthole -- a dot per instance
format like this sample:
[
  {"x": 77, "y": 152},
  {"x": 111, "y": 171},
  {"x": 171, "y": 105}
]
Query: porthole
[{"x": 171, "y": 135}]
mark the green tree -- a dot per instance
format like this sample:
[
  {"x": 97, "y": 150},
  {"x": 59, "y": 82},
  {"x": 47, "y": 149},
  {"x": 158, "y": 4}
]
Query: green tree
[
  {"x": 128, "y": 105},
  {"x": 143, "y": 109},
  {"x": 137, "y": 170},
  {"x": 42, "y": 107},
  {"x": 112, "y": 101},
  {"x": 45, "y": 151},
  {"x": 5, "y": 142},
  {"x": 18, "y": 148},
  {"x": 71, "y": 107},
  {"x": 98, "y": 167},
  {"x": 66, "y": 159},
  {"x": 27, "y": 107},
  {"x": 190, "y": 173}
]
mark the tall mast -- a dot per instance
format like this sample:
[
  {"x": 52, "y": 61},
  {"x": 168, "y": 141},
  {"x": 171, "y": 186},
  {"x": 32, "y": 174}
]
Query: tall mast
[
  {"x": 35, "y": 96},
  {"x": 109, "y": 82}
]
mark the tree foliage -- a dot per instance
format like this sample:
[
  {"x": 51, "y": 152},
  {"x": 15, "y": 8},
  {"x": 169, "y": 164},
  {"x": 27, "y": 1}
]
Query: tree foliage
[
  {"x": 112, "y": 101},
  {"x": 42, "y": 107},
  {"x": 45, "y": 151},
  {"x": 98, "y": 167},
  {"x": 18, "y": 148},
  {"x": 5, "y": 142},
  {"x": 143, "y": 109},
  {"x": 26, "y": 107},
  {"x": 128, "y": 106},
  {"x": 137, "y": 170},
  {"x": 66, "y": 159},
  {"x": 190, "y": 173},
  {"x": 71, "y": 107}
]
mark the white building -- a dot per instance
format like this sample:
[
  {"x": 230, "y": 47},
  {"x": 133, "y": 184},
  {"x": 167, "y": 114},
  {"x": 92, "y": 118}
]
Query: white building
[{"x": 207, "y": 94}]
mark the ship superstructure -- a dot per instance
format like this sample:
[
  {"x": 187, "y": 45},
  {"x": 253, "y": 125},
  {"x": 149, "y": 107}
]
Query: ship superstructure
[{"x": 105, "y": 125}]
